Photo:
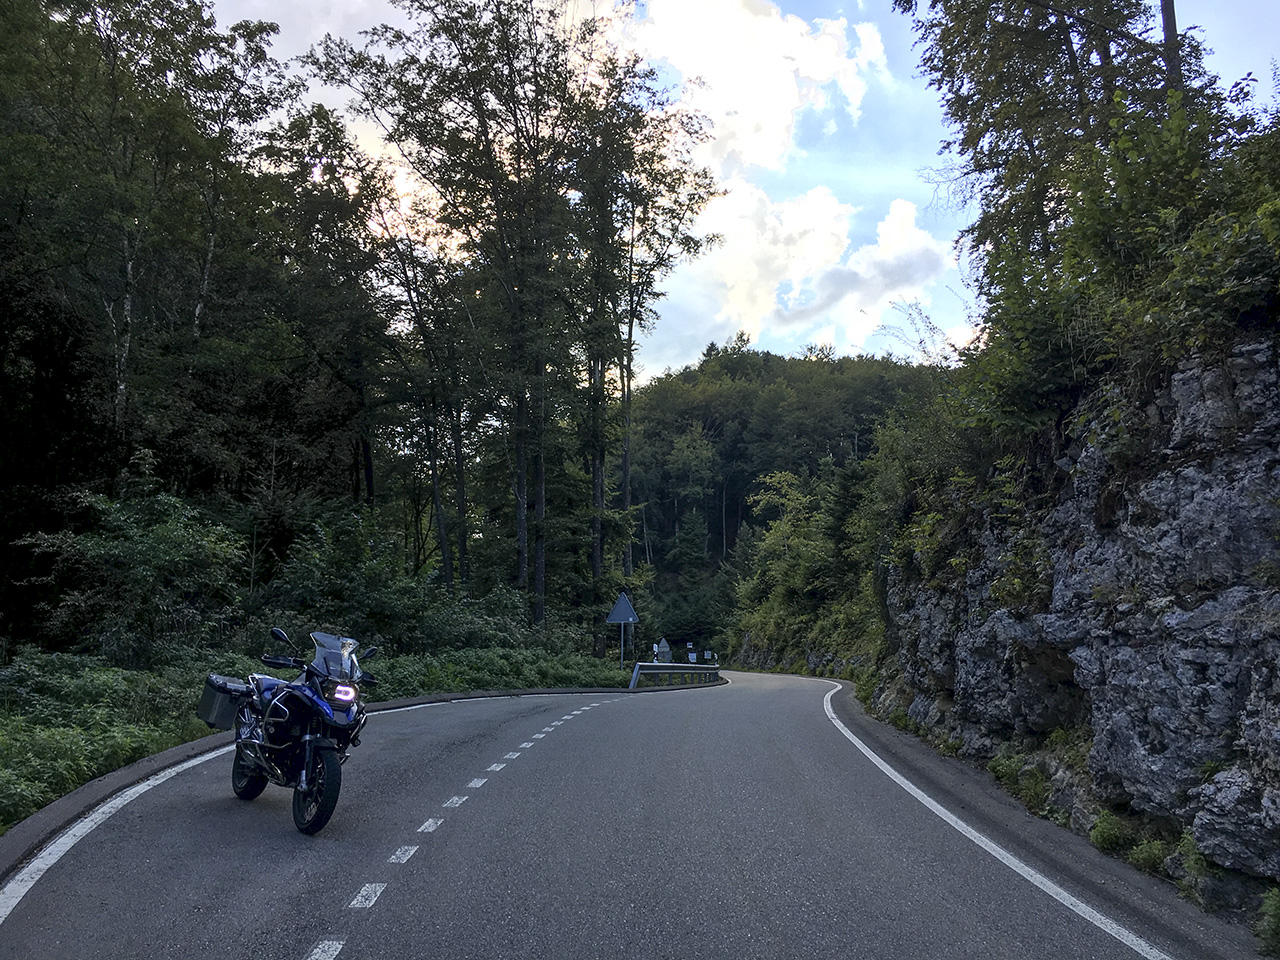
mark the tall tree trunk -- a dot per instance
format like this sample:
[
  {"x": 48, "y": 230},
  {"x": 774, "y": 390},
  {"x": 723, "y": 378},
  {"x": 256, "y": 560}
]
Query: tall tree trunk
[
  {"x": 437, "y": 503},
  {"x": 1172, "y": 52},
  {"x": 122, "y": 334},
  {"x": 206, "y": 268},
  {"x": 460, "y": 480},
  {"x": 522, "y": 494},
  {"x": 628, "y": 561},
  {"x": 540, "y": 508},
  {"x": 597, "y": 475},
  {"x": 366, "y": 461}
]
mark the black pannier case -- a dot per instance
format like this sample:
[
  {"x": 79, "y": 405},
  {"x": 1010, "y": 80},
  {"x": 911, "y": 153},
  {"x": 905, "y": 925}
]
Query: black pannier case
[{"x": 221, "y": 699}]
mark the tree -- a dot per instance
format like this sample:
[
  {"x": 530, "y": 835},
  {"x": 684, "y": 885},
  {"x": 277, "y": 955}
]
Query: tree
[
  {"x": 543, "y": 156},
  {"x": 328, "y": 193},
  {"x": 640, "y": 191},
  {"x": 1029, "y": 89}
]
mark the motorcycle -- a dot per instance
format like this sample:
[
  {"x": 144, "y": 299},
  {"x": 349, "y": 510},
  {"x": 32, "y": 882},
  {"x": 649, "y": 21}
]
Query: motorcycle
[{"x": 296, "y": 733}]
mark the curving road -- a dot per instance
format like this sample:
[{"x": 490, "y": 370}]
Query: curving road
[{"x": 742, "y": 821}]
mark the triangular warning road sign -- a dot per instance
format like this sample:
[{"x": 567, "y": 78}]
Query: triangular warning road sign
[{"x": 623, "y": 611}]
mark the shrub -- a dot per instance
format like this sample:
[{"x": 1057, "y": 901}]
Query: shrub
[
  {"x": 1111, "y": 833},
  {"x": 1071, "y": 746},
  {"x": 1149, "y": 856},
  {"x": 864, "y": 685},
  {"x": 1005, "y": 766},
  {"x": 1034, "y": 789}
]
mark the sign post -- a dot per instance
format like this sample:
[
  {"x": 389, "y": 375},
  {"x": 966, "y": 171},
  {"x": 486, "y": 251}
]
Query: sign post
[{"x": 622, "y": 614}]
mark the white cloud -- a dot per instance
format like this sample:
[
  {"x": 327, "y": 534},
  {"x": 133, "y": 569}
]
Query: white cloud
[
  {"x": 856, "y": 294},
  {"x": 759, "y": 69},
  {"x": 788, "y": 271},
  {"x": 786, "y": 268},
  {"x": 786, "y": 275},
  {"x": 769, "y": 249}
]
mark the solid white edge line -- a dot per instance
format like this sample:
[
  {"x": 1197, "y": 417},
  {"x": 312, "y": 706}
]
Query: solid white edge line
[
  {"x": 1104, "y": 923},
  {"x": 26, "y": 878}
]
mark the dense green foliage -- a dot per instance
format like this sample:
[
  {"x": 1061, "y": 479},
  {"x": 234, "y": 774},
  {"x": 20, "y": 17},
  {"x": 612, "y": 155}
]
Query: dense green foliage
[
  {"x": 723, "y": 453},
  {"x": 251, "y": 375},
  {"x": 250, "y": 372},
  {"x": 1267, "y": 925}
]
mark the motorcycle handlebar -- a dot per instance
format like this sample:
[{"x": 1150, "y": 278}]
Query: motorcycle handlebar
[{"x": 282, "y": 660}]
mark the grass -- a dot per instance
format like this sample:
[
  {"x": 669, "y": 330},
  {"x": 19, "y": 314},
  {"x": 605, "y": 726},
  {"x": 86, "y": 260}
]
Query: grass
[{"x": 1022, "y": 778}]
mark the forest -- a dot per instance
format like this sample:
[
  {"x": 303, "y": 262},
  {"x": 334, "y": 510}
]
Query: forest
[{"x": 255, "y": 374}]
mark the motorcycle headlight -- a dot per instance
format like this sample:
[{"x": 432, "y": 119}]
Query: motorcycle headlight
[{"x": 341, "y": 695}]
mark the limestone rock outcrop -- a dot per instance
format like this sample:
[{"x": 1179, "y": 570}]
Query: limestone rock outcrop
[{"x": 1157, "y": 622}]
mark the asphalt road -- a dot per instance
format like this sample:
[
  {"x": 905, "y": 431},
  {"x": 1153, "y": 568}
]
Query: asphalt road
[{"x": 738, "y": 821}]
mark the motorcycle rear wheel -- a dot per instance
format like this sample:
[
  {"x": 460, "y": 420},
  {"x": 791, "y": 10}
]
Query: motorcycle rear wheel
[
  {"x": 246, "y": 782},
  {"x": 312, "y": 810}
]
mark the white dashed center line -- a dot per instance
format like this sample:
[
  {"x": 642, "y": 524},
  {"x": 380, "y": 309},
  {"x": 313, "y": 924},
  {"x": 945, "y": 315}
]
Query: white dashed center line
[
  {"x": 526, "y": 745},
  {"x": 431, "y": 826},
  {"x": 368, "y": 895},
  {"x": 477, "y": 783},
  {"x": 402, "y": 855},
  {"x": 512, "y": 755},
  {"x": 495, "y": 767},
  {"x": 326, "y": 950},
  {"x": 538, "y": 736}
]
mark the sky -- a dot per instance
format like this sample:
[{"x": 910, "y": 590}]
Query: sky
[{"x": 833, "y": 227}]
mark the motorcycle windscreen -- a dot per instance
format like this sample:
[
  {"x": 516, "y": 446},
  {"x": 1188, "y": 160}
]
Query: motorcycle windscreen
[{"x": 335, "y": 655}]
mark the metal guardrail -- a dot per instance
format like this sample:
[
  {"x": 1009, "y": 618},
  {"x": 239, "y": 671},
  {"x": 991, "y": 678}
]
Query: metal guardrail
[{"x": 687, "y": 672}]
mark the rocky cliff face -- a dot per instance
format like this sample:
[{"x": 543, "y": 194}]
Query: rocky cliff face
[{"x": 1154, "y": 616}]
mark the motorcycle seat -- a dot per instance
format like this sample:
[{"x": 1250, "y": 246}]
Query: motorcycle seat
[{"x": 264, "y": 685}]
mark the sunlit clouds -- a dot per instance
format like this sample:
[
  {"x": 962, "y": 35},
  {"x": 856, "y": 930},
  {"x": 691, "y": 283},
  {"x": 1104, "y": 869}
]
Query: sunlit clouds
[
  {"x": 757, "y": 68},
  {"x": 818, "y": 142},
  {"x": 797, "y": 263}
]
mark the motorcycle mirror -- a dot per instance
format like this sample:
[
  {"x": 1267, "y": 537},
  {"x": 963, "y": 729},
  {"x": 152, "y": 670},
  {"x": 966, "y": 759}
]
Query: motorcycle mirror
[
  {"x": 368, "y": 653},
  {"x": 280, "y": 636}
]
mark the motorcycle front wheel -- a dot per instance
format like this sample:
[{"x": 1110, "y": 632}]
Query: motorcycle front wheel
[
  {"x": 312, "y": 810},
  {"x": 246, "y": 781}
]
